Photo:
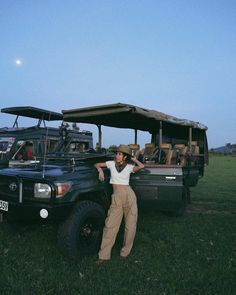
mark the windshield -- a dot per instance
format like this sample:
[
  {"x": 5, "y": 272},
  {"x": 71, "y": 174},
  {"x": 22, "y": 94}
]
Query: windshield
[{"x": 6, "y": 144}]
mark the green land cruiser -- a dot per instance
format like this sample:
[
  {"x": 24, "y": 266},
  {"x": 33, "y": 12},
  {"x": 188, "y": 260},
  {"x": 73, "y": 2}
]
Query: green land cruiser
[{"x": 64, "y": 188}]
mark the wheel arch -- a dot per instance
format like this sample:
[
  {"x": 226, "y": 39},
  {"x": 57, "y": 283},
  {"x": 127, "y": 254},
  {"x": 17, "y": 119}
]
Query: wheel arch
[{"x": 101, "y": 197}]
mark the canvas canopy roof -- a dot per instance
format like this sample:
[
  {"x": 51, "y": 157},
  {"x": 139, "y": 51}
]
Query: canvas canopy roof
[
  {"x": 126, "y": 116},
  {"x": 32, "y": 112}
]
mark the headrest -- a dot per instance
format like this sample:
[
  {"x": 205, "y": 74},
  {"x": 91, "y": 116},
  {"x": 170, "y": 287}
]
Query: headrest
[
  {"x": 193, "y": 142},
  {"x": 179, "y": 146},
  {"x": 134, "y": 146},
  {"x": 166, "y": 146},
  {"x": 149, "y": 145}
]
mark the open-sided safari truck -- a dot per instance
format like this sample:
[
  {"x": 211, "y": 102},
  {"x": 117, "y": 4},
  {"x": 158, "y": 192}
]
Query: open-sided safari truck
[
  {"x": 26, "y": 145},
  {"x": 174, "y": 157}
]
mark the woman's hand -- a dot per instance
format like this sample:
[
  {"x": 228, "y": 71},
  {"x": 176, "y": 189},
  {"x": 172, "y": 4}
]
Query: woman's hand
[
  {"x": 99, "y": 166},
  {"x": 101, "y": 174},
  {"x": 138, "y": 163}
]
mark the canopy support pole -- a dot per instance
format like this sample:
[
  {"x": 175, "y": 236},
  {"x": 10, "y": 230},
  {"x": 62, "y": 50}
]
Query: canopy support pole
[
  {"x": 16, "y": 122},
  {"x": 99, "y": 136},
  {"x": 160, "y": 134},
  {"x": 135, "y": 136},
  {"x": 190, "y": 140}
]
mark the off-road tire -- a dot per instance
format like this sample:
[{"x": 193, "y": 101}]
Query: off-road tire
[
  {"x": 81, "y": 233},
  {"x": 183, "y": 204}
]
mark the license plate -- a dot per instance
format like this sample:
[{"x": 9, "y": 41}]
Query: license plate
[{"x": 3, "y": 205}]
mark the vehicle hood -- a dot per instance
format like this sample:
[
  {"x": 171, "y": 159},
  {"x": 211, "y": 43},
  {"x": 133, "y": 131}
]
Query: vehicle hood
[{"x": 48, "y": 171}]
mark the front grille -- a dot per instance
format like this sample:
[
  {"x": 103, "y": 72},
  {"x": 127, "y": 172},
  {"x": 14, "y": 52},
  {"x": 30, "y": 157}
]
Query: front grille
[
  {"x": 9, "y": 188},
  {"x": 28, "y": 189}
]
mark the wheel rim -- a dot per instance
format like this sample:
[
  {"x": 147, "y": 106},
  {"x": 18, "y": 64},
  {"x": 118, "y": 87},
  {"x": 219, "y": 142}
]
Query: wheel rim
[{"x": 89, "y": 235}]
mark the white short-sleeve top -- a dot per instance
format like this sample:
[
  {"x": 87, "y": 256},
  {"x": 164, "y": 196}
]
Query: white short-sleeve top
[{"x": 121, "y": 177}]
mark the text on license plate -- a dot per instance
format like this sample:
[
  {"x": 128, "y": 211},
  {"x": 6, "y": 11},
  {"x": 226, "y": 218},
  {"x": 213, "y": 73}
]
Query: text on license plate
[{"x": 3, "y": 205}]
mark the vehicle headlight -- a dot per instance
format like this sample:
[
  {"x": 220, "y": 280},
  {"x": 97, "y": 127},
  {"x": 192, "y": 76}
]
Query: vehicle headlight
[
  {"x": 42, "y": 190},
  {"x": 62, "y": 188}
]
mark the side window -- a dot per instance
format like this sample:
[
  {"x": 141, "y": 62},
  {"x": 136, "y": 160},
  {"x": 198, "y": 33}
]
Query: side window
[
  {"x": 52, "y": 144},
  {"x": 78, "y": 147},
  {"x": 25, "y": 150},
  {"x": 18, "y": 155},
  {"x": 48, "y": 145},
  {"x": 29, "y": 150}
]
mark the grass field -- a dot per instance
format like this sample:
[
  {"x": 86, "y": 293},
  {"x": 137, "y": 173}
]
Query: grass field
[{"x": 194, "y": 254}]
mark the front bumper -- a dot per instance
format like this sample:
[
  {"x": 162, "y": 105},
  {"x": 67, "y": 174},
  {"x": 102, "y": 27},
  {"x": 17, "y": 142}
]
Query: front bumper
[{"x": 24, "y": 212}]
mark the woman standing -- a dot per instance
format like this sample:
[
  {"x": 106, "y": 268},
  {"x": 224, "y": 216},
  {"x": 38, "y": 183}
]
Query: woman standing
[{"x": 123, "y": 202}]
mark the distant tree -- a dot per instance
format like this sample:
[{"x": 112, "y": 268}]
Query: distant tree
[{"x": 112, "y": 148}]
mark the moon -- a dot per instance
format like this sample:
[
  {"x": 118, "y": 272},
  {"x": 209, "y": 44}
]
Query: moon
[{"x": 18, "y": 62}]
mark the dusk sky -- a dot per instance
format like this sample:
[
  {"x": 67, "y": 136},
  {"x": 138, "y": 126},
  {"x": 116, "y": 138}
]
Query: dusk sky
[{"x": 177, "y": 57}]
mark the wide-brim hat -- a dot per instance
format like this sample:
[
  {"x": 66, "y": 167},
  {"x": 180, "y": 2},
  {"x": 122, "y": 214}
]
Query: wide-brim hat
[{"x": 124, "y": 149}]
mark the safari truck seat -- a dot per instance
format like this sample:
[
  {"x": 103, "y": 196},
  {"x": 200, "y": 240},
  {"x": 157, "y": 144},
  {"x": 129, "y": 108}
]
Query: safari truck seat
[
  {"x": 180, "y": 154},
  {"x": 160, "y": 155},
  {"x": 167, "y": 149},
  {"x": 135, "y": 149},
  {"x": 147, "y": 152},
  {"x": 194, "y": 148},
  {"x": 194, "y": 153}
]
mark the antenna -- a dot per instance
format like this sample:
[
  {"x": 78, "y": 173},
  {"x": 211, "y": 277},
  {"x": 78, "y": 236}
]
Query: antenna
[{"x": 45, "y": 149}]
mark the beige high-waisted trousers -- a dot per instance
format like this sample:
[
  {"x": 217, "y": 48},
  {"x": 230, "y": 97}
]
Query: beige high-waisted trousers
[{"x": 123, "y": 204}]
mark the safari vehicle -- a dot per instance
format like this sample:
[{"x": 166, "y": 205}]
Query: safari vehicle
[
  {"x": 66, "y": 189},
  {"x": 174, "y": 157},
  {"x": 22, "y": 146}
]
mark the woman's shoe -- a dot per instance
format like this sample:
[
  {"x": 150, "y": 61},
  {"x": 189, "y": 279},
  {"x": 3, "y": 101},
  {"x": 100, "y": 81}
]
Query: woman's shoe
[{"x": 100, "y": 261}]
